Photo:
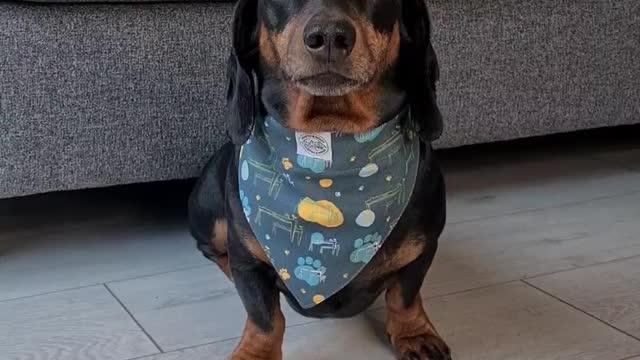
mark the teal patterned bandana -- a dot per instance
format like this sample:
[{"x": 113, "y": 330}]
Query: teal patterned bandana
[{"x": 322, "y": 204}]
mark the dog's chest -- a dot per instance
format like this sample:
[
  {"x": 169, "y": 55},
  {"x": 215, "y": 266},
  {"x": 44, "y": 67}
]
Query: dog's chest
[{"x": 322, "y": 205}]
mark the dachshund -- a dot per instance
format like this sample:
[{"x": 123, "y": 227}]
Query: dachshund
[{"x": 327, "y": 72}]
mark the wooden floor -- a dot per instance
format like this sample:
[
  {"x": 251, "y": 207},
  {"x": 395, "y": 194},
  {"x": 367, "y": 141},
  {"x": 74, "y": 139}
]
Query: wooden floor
[{"x": 540, "y": 260}]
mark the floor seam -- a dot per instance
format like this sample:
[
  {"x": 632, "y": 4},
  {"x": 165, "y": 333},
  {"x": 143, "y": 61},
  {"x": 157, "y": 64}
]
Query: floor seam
[
  {"x": 314, "y": 321},
  {"x": 632, "y": 357},
  {"x": 557, "y": 206},
  {"x": 457, "y": 292},
  {"x": 134, "y": 319},
  {"x": 376, "y": 308},
  {"x": 50, "y": 292},
  {"x": 101, "y": 283},
  {"x": 137, "y": 277},
  {"x": 524, "y": 281},
  {"x": 172, "y": 351},
  {"x": 581, "y": 267}
]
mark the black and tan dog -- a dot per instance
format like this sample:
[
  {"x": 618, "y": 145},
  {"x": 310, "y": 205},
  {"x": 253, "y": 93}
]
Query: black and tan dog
[{"x": 343, "y": 66}]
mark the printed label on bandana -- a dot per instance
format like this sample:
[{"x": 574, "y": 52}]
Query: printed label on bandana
[{"x": 315, "y": 145}]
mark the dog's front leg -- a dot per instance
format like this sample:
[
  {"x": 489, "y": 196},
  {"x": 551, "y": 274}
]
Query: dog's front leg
[
  {"x": 410, "y": 331},
  {"x": 256, "y": 284},
  {"x": 264, "y": 329}
]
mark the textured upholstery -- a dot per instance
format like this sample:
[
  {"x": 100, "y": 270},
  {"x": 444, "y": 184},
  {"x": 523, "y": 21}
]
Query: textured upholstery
[
  {"x": 102, "y": 94},
  {"x": 95, "y": 95},
  {"x": 118, "y": 1},
  {"x": 514, "y": 68}
]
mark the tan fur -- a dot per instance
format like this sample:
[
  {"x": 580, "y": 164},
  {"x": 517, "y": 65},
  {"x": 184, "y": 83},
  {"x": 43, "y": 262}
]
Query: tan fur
[
  {"x": 257, "y": 345},
  {"x": 412, "y": 247},
  {"x": 255, "y": 248},
  {"x": 220, "y": 233},
  {"x": 219, "y": 243},
  {"x": 289, "y": 45},
  {"x": 374, "y": 51},
  {"x": 267, "y": 48},
  {"x": 393, "y": 47},
  {"x": 353, "y": 113},
  {"x": 356, "y": 112},
  {"x": 409, "y": 328}
]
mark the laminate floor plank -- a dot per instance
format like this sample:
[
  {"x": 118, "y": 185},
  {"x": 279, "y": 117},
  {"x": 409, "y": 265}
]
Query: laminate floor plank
[
  {"x": 610, "y": 292},
  {"x": 77, "y": 324},
  {"x": 505, "y": 322}
]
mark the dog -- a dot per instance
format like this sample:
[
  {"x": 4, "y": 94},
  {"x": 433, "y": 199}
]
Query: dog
[{"x": 311, "y": 82}]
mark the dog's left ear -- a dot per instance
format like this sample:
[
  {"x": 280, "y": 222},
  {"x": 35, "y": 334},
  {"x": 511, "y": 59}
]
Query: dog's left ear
[
  {"x": 419, "y": 69},
  {"x": 243, "y": 61}
]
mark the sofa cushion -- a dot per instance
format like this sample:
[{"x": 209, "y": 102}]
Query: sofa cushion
[
  {"x": 120, "y": 1},
  {"x": 96, "y": 94}
]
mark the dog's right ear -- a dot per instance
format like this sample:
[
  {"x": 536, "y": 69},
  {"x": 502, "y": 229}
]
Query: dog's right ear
[
  {"x": 420, "y": 69},
  {"x": 243, "y": 61}
]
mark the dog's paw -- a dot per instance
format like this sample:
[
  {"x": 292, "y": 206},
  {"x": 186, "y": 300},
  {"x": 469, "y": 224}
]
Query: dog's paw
[
  {"x": 422, "y": 347},
  {"x": 240, "y": 354}
]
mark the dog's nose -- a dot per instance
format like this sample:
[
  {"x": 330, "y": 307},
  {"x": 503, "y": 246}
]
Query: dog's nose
[{"x": 329, "y": 39}]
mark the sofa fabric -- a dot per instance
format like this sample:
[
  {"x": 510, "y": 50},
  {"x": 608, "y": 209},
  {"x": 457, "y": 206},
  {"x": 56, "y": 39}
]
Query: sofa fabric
[
  {"x": 102, "y": 94},
  {"x": 97, "y": 95},
  {"x": 117, "y": 1}
]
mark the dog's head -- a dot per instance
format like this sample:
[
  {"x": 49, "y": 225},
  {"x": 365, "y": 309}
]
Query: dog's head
[{"x": 332, "y": 65}]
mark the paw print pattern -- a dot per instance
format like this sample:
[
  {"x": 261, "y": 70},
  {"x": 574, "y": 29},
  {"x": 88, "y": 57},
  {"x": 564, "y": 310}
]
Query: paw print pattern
[
  {"x": 245, "y": 203},
  {"x": 366, "y": 248},
  {"x": 284, "y": 274},
  {"x": 287, "y": 164},
  {"x": 310, "y": 271}
]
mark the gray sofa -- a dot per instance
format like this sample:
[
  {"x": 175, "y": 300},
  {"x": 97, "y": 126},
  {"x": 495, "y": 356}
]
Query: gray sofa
[{"x": 97, "y": 94}]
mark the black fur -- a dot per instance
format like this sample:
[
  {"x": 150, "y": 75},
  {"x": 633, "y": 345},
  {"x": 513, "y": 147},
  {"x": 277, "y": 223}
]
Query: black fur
[
  {"x": 215, "y": 197},
  {"x": 241, "y": 67},
  {"x": 205, "y": 200},
  {"x": 419, "y": 58},
  {"x": 418, "y": 61}
]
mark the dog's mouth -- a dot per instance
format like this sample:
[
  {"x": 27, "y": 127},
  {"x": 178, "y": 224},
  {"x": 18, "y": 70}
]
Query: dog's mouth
[{"x": 327, "y": 84}]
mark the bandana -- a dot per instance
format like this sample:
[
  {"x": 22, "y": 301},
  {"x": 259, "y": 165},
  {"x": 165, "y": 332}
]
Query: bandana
[{"x": 322, "y": 204}]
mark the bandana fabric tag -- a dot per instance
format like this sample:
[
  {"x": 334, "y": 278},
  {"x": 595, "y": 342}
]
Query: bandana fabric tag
[{"x": 315, "y": 145}]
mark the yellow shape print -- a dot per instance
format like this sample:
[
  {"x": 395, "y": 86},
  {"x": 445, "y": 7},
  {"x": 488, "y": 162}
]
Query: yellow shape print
[
  {"x": 317, "y": 299},
  {"x": 284, "y": 274},
  {"x": 287, "y": 164},
  {"x": 326, "y": 183},
  {"x": 321, "y": 212}
]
